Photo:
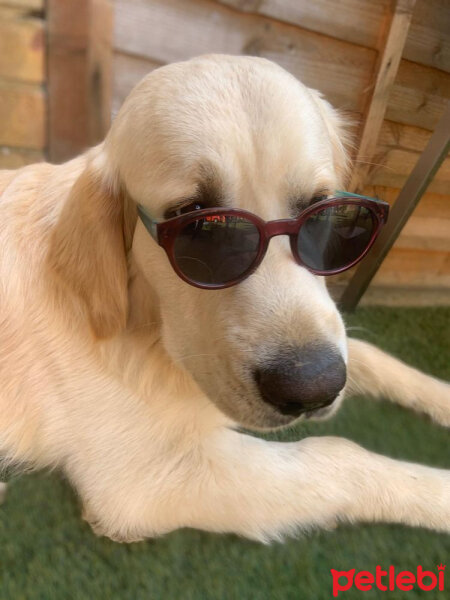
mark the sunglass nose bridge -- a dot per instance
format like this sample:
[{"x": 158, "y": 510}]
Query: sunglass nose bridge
[{"x": 281, "y": 227}]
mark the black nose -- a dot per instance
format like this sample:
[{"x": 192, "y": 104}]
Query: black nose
[{"x": 303, "y": 379}]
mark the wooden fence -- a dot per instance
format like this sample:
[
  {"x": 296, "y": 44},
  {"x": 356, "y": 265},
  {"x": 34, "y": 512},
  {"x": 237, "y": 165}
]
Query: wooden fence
[
  {"x": 336, "y": 48},
  {"x": 385, "y": 63},
  {"x": 22, "y": 77}
]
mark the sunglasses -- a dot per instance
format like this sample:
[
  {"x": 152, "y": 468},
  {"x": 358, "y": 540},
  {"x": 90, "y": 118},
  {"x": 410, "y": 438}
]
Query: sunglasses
[{"x": 216, "y": 248}]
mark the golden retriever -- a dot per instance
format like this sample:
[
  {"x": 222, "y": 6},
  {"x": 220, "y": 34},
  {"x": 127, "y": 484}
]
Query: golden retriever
[{"x": 133, "y": 382}]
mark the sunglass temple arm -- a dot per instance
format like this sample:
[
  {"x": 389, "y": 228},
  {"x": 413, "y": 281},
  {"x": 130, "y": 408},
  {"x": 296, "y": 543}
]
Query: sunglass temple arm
[{"x": 150, "y": 223}]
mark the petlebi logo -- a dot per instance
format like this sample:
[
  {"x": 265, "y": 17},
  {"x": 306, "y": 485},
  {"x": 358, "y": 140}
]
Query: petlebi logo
[{"x": 388, "y": 579}]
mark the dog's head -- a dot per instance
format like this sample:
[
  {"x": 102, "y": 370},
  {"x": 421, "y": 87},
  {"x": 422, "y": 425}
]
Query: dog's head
[{"x": 218, "y": 131}]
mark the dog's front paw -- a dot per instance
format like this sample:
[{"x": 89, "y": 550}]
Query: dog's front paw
[
  {"x": 444, "y": 505},
  {"x": 437, "y": 501},
  {"x": 439, "y": 408},
  {"x": 102, "y": 530}
]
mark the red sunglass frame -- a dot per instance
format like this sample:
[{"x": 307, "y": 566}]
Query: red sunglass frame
[{"x": 166, "y": 233}]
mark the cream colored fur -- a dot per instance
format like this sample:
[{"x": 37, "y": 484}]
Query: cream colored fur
[{"x": 130, "y": 381}]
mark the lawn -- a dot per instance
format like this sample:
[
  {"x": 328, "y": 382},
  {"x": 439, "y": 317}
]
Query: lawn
[{"x": 47, "y": 552}]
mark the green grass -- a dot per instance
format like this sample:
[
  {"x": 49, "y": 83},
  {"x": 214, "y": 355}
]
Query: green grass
[{"x": 47, "y": 552}]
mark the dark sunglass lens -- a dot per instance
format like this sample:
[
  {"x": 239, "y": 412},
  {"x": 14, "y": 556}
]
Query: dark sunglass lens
[
  {"x": 335, "y": 237},
  {"x": 217, "y": 249}
]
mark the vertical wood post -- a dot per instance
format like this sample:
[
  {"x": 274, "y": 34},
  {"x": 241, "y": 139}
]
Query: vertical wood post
[
  {"x": 391, "y": 46},
  {"x": 79, "y": 59}
]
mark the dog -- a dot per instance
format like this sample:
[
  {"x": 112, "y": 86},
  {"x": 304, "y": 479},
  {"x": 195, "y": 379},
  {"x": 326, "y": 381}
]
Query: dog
[{"x": 136, "y": 384}]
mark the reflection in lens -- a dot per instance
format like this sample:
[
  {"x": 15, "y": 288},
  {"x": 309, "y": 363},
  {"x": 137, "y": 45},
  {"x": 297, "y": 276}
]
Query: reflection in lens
[
  {"x": 335, "y": 237},
  {"x": 216, "y": 249}
]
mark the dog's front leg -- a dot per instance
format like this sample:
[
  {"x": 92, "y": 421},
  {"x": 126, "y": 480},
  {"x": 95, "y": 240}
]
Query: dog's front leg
[
  {"x": 373, "y": 372},
  {"x": 263, "y": 490}
]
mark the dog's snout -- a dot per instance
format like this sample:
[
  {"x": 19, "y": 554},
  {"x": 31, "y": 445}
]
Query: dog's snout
[{"x": 302, "y": 380}]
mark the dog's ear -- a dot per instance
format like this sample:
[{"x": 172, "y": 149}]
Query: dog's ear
[{"x": 87, "y": 252}]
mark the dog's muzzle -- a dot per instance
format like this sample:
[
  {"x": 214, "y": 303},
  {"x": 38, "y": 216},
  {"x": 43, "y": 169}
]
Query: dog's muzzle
[{"x": 302, "y": 379}]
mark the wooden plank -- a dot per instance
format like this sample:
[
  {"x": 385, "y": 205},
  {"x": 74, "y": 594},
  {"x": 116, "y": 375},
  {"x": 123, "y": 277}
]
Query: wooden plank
[
  {"x": 22, "y": 49},
  {"x": 420, "y": 268},
  {"x": 429, "y": 225},
  {"x": 392, "y": 179},
  {"x": 79, "y": 65},
  {"x": 37, "y": 5},
  {"x": 404, "y": 137},
  {"x": 431, "y": 204},
  {"x": 386, "y": 70},
  {"x": 419, "y": 95},
  {"x": 406, "y": 296},
  {"x": 128, "y": 70},
  {"x": 406, "y": 267},
  {"x": 356, "y": 21},
  {"x": 394, "y": 295},
  {"x": 14, "y": 158},
  {"x": 12, "y": 12},
  {"x": 411, "y": 193},
  {"x": 392, "y": 167},
  {"x": 360, "y": 22},
  {"x": 173, "y": 30},
  {"x": 180, "y": 30},
  {"x": 428, "y": 41},
  {"x": 22, "y": 110},
  {"x": 427, "y": 233}
]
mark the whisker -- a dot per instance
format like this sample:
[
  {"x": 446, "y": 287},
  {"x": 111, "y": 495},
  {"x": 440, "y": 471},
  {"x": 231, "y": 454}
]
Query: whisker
[
  {"x": 357, "y": 328},
  {"x": 374, "y": 164},
  {"x": 143, "y": 326},
  {"x": 183, "y": 358},
  {"x": 355, "y": 360}
]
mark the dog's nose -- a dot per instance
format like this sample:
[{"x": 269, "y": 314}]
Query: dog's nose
[{"x": 302, "y": 380}]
